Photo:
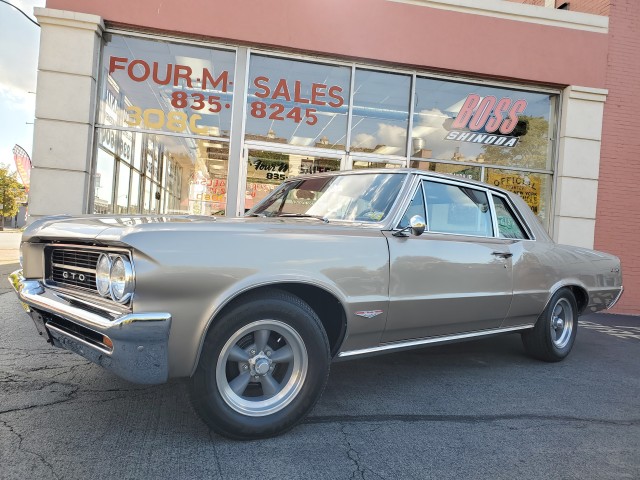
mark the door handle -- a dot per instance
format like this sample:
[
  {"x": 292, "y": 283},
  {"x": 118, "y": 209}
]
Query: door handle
[{"x": 503, "y": 254}]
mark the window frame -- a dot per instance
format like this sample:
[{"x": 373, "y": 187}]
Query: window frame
[{"x": 419, "y": 183}]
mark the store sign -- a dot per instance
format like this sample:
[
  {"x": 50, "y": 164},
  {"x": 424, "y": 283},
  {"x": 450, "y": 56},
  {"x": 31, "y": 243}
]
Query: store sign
[
  {"x": 487, "y": 121},
  {"x": 281, "y": 93},
  {"x": 527, "y": 186},
  {"x": 186, "y": 103}
]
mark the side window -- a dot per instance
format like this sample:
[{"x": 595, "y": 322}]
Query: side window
[
  {"x": 459, "y": 210},
  {"x": 508, "y": 225},
  {"x": 416, "y": 207}
]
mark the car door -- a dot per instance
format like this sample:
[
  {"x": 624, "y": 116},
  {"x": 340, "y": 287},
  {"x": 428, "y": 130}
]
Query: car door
[{"x": 457, "y": 276}]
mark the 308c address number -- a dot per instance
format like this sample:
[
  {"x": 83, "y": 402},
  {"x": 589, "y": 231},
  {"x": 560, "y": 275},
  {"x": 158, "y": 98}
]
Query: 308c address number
[{"x": 154, "y": 118}]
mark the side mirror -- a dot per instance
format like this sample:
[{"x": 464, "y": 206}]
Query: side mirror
[{"x": 416, "y": 225}]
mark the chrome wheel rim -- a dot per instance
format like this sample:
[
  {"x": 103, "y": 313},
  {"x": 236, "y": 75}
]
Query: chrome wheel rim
[
  {"x": 261, "y": 368},
  {"x": 561, "y": 323}
]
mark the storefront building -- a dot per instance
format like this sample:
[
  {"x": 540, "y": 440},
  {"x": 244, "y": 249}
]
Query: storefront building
[{"x": 205, "y": 108}]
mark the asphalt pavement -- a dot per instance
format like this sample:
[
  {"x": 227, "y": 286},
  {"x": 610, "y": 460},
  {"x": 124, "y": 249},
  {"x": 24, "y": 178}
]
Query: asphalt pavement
[
  {"x": 9, "y": 257},
  {"x": 480, "y": 410}
]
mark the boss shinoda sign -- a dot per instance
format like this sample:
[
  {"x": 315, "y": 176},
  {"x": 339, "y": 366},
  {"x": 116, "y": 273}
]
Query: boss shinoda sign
[{"x": 487, "y": 121}]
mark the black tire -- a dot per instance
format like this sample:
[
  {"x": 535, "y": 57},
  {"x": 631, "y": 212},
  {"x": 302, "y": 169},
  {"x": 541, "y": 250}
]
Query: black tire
[
  {"x": 258, "y": 409},
  {"x": 554, "y": 334}
]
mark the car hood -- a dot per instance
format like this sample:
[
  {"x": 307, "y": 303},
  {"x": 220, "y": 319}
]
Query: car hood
[{"x": 118, "y": 228}]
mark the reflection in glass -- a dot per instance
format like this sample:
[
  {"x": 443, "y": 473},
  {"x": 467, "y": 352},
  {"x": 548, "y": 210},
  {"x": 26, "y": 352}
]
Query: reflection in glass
[
  {"x": 361, "y": 164},
  {"x": 464, "y": 171},
  {"x": 534, "y": 188},
  {"x": 182, "y": 175},
  {"x": 297, "y": 102},
  {"x": 508, "y": 225},
  {"x": 266, "y": 170},
  {"x": 447, "y": 126},
  {"x": 103, "y": 183},
  {"x": 134, "y": 203},
  {"x": 380, "y": 113},
  {"x": 166, "y": 86},
  {"x": 458, "y": 210},
  {"x": 358, "y": 198},
  {"x": 122, "y": 198}
]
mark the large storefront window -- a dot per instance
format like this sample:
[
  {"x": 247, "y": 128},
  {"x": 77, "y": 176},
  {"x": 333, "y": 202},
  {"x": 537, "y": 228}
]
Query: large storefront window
[
  {"x": 155, "y": 85},
  {"x": 380, "y": 113},
  {"x": 176, "y": 175},
  {"x": 165, "y": 120},
  {"x": 534, "y": 188},
  {"x": 297, "y": 103},
  {"x": 471, "y": 123},
  {"x": 184, "y": 91},
  {"x": 457, "y": 125}
]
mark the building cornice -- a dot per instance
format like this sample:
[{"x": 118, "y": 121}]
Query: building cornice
[{"x": 520, "y": 12}]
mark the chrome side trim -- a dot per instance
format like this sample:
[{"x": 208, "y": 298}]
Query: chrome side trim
[
  {"x": 615, "y": 300},
  {"x": 430, "y": 340}
]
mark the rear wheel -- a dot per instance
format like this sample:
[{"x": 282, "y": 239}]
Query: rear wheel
[
  {"x": 553, "y": 336},
  {"x": 263, "y": 366}
]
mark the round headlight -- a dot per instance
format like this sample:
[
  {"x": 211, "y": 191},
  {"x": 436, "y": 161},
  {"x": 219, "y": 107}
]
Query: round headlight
[
  {"x": 121, "y": 277},
  {"x": 103, "y": 270}
]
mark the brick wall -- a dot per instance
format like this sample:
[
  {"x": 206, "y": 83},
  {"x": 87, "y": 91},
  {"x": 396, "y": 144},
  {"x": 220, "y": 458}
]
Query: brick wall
[
  {"x": 618, "y": 208},
  {"x": 539, "y": 3},
  {"x": 597, "y": 7}
]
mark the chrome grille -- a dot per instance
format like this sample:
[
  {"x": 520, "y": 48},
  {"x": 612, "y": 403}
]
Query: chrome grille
[{"x": 74, "y": 267}]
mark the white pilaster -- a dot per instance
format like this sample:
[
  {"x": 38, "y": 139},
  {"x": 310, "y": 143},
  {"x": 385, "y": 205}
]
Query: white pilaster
[
  {"x": 65, "y": 112},
  {"x": 578, "y": 166}
]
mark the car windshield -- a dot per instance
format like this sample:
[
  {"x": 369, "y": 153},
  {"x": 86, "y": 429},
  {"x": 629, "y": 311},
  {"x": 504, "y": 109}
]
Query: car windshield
[{"x": 358, "y": 198}]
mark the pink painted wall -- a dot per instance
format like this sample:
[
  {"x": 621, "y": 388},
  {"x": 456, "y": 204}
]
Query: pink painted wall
[{"x": 378, "y": 30}]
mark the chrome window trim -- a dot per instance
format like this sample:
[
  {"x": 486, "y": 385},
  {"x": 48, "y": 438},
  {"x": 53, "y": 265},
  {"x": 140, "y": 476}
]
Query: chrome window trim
[{"x": 456, "y": 183}]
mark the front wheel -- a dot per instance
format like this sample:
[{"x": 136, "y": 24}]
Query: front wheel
[
  {"x": 264, "y": 365},
  {"x": 552, "y": 338}
]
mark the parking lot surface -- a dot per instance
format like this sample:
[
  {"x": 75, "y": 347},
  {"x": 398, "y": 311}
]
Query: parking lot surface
[{"x": 469, "y": 410}]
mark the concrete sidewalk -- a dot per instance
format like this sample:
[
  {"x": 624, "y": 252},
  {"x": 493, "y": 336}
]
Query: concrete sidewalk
[{"x": 9, "y": 256}]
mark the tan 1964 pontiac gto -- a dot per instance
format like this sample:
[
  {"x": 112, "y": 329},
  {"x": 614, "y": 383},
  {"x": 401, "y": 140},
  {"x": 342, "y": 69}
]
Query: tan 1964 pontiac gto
[{"x": 329, "y": 266}]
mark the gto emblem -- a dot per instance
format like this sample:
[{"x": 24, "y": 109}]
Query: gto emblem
[
  {"x": 369, "y": 313},
  {"x": 73, "y": 276}
]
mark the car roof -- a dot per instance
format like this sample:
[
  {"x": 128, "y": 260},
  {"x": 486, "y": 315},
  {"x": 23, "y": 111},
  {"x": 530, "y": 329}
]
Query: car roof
[
  {"x": 533, "y": 222},
  {"x": 399, "y": 171}
]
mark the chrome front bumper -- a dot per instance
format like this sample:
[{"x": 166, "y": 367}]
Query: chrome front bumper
[{"x": 133, "y": 346}]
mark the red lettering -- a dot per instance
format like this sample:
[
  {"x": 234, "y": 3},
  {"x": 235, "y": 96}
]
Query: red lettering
[
  {"x": 262, "y": 83},
  {"x": 334, "y": 93},
  {"x": 281, "y": 90},
  {"x": 184, "y": 72},
  {"x": 298, "y": 95},
  {"x": 207, "y": 79},
  {"x": 114, "y": 61},
  {"x": 166, "y": 79},
  {"x": 145, "y": 70},
  {"x": 494, "y": 122},
  {"x": 511, "y": 122},
  {"x": 482, "y": 113},
  {"x": 318, "y": 91},
  {"x": 465, "y": 113}
]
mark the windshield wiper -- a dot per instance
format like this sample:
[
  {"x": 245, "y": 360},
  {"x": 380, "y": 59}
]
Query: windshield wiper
[{"x": 303, "y": 215}]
